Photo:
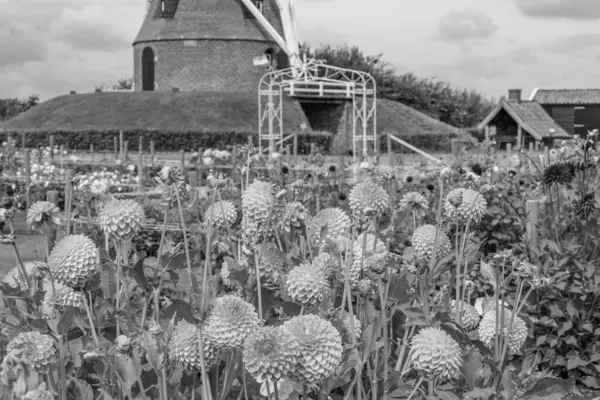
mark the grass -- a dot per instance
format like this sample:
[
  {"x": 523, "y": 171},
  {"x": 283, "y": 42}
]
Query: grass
[{"x": 173, "y": 112}]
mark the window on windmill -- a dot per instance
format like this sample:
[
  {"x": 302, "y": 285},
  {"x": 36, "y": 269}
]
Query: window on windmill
[
  {"x": 270, "y": 55},
  {"x": 259, "y": 5}
]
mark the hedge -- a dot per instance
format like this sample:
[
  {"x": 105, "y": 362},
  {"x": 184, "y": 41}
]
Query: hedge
[
  {"x": 163, "y": 141},
  {"x": 191, "y": 141}
]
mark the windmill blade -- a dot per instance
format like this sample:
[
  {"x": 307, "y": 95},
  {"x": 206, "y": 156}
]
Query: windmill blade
[{"x": 286, "y": 10}]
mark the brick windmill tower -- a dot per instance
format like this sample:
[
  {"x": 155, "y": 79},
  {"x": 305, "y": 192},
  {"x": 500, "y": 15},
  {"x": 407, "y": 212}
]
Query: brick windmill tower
[{"x": 207, "y": 45}]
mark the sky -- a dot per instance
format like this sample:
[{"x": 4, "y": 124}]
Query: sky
[{"x": 50, "y": 47}]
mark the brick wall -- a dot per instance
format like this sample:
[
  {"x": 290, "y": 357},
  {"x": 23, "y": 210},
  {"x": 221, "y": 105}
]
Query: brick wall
[{"x": 210, "y": 65}]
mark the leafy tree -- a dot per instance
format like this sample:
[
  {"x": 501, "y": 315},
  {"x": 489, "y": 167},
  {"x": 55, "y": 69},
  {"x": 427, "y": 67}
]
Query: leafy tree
[
  {"x": 454, "y": 106},
  {"x": 13, "y": 106}
]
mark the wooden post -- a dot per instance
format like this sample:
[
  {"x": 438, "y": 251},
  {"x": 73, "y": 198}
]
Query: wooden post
[
  {"x": 27, "y": 167},
  {"x": 199, "y": 166},
  {"x": 519, "y": 137},
  {"x": 455, "y": 151},
  {"x": 312, "y": 149},
  {"x": 487, "y": 134},
  {"x": 52, "y": 197},
  {"x": 529, "y": 163},
  {"x": 125, "y": 150},
  {"x": 141, "y": 145},
  {"x": 546, "y": 156},
  {"x": 508, "y": 151},
  {"x": 140, "y": 179},
  {"x": 23, "y": 140},
  {"x": 68, "y": 196},
  {"x": 234, "y": 154},
  {"x": 92, "y": 152},
  {"x": 250, "y": 142},
  {"x": 193, "y": 178},
  {"x": 182, "y": 160},
  {"x": 51, "y": 147},
  {"x": 341, "y": 171},
  {"x": 280, "y": 172},
  {"x": 116, "y": 147},
  {"x": 389, "y": 149},
  {"x": 533, "y": 212},
  {"x": 296, "y": 149},
  {"x": 151, "y": 151},
  {"x": 121, "y": 144}
]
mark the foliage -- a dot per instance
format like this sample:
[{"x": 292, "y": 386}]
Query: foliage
[
  {"x": 476, "y": 268},
  {"x": 438, "y": 99},
  {"x": 13, "y": 106},
  {"x": 165, "y": 141}
]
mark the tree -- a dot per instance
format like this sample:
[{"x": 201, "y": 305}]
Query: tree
[
  {"x": 438, "y": 99},
  {"x": 121, "y": 84},
  {"x": 12, "y": 107}
]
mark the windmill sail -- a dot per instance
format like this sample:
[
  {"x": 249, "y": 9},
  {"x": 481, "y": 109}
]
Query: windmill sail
[{"x": 286, "y": 9}]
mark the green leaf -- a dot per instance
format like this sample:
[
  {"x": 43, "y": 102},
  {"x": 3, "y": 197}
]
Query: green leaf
[
  {"x": 549, "y": 389},
  {"x": 479, "y": 393},
  {"x": 138, "y": 273},
  {"x": 126, "y": 369},
  {"x": 566, "y": 326},
  {"x": 85, "y": 390},
  {"x": 443, "y": 395},
  {"x": 487, "y": 271},
  {"x": 183, "y": 310},
  {"x": 575, "y": 362},
  {"x": 66, "y": 320},
  {"x": 591, "y": 382}
]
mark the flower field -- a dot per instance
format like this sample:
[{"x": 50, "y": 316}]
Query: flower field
[{"x": 258, "y": 277}]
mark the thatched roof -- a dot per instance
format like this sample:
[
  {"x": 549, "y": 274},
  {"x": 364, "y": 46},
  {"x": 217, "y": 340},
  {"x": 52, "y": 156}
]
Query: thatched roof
[
  {"x": 207, "y": 20},
  {"x": 194, "y": 112},
  {"x": 166, "y": 111},
  {"x": 402, "y": 120}
]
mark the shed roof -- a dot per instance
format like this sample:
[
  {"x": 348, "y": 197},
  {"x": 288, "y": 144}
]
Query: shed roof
[
  {"x": 531, "y": 116},
  {"x": 566, "y": 96}
]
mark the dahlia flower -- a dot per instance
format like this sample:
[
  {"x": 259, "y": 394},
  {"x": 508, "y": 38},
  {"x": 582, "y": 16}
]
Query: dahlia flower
[
  {"x": 270, "y": 353},
  {"x": 320, "y": 348},
  {"x": 122, "y": 219},
  {"x": 74, "y": 260},
  {"x": 230, "y": 321},
  {"x": 435, "y": 354},
  {"x": 423, "y": 241}
]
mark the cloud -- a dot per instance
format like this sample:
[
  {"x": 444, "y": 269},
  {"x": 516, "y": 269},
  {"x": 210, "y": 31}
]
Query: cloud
[
  {"x": 20, "y": 44},
  {"x": 563, "y": 9},
  {"x": 318, "y": 35},
  {"x": 459, "y": 26},
  {"x": 574, "y": 43},
  {"x": 92, "y": 28}
]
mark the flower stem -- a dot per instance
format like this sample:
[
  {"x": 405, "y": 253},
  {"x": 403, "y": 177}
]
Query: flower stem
[
  {"x": 414, "y": 391},
  {"x": 188, "y": 260}
]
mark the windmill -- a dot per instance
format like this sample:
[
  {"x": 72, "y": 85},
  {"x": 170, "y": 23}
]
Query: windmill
[{"x": 289, "y": 42}]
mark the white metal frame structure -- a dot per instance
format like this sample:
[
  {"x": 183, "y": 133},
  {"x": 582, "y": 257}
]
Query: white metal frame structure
[{"x": 313, "y": 81}]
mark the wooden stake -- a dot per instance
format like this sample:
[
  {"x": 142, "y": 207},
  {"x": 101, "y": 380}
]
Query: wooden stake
[
  {"x": 122, "y": 144},
  {"x": 92, "y": 152},
  {"x": 27, "y": 166},
  {"x": 533, "y": 211},
  {"x": 125, "y": 150},
  {"x": 116, "y": 147},
  {"x": 51, "y": 147},
  {"x": 140, "y": 172},
  {"x": 151, "y": 151},
  {"x": 182, "y": 160},
  {"x": 455, "y": 152}
]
